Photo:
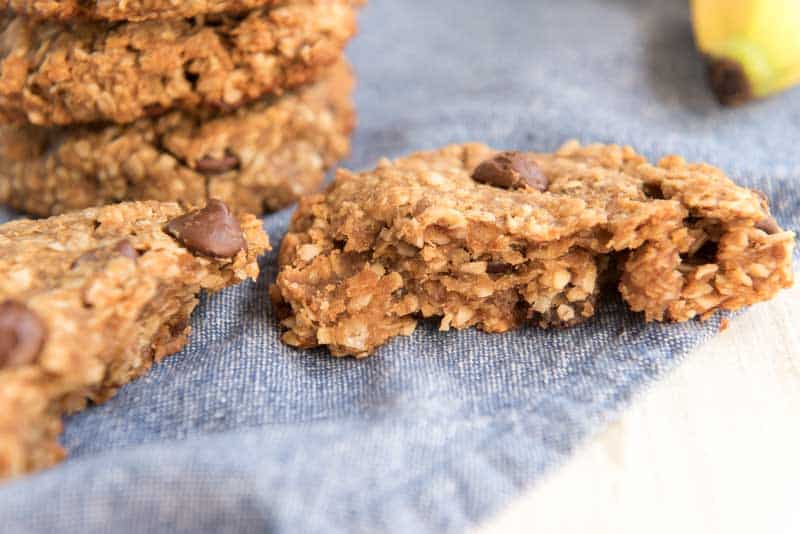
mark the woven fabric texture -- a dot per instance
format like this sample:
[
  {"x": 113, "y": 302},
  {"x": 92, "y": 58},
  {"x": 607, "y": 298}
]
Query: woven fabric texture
[{"x": 437, "y": 431}]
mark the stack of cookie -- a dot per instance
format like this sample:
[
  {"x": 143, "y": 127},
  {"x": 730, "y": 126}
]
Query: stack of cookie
[{"x": 248, "y": 101}]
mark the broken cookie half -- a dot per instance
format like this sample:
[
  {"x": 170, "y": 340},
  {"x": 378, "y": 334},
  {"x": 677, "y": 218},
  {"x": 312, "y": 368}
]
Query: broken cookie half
[
  {"x": 89, "y": 300},
  {"x": 497, "y": 240}
]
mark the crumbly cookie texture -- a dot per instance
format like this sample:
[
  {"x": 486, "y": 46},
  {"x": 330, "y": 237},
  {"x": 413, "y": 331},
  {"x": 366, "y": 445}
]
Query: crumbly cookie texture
[
  {"x": 54, "y": 74},
  {"x": 133, "y": 10},
  {"x": 91, "y": 299},
  {"x": 259, "y": 158},
  {"x": 498, "y": 240}
]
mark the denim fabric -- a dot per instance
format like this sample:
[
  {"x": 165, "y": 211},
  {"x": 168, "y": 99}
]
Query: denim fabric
[{"x": 239, "y": 433}]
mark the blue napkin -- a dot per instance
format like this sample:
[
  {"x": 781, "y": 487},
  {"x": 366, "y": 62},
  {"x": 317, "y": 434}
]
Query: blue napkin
[{"x": 437, "y": 431}]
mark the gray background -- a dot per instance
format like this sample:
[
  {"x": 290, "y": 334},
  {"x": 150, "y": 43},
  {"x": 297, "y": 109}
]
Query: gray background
[{"x": 240, "y": 434}]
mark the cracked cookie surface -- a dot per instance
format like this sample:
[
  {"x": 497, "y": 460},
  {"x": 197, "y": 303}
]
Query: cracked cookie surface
[
  {"x": 54, "y": 74},
  {"x": 91, "y": 299},
  {"x": 259, "y": 158},
  {"x": 133, "y": 10},
  {"x": 498, "y": 240}
]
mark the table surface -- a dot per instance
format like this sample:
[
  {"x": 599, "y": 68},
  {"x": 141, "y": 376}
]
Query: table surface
[{"x": 712, "y": 448}]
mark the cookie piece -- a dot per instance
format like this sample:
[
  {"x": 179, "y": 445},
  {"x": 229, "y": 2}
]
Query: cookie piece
[
  {"x": 136, "y": 10},
  {"x": 259, "y": 158},
  {"x": 729, "y": 253},
  {"x": 53, "y": 74},
  {"x": 498, "y": 240},
  {"x": 90, "y": 300}
]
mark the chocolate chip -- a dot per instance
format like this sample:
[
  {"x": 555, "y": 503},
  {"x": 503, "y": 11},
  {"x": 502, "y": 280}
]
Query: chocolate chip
[
  {"x": 511, "y": 170},
  {"x": 22, "y": 334},
  {"x": 769, "y": 225},
  {"x": 496, "y": 267},
  {"x": 211, "y": 231},
  {"x": 210, "y": 165},
  {"x": 122, "y": 248},
  {"x": 125, "y": 248}
]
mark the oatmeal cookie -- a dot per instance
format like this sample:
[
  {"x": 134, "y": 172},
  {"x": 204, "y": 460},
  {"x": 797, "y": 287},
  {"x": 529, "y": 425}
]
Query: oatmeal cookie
[
  {"x": 53, "y": 74},
  {"x": 259, "y": 158},
  {"x": 90, "y": 300},
  {"x": 497, "y": 240},
  {"x": 132, "y": 10}
]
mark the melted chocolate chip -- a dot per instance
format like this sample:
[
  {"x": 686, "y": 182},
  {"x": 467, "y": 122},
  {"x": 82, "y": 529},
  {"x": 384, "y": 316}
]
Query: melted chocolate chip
[
  {"x": 511, "y": 170},
  {"x": 125, "y": 248},
  {"x": 769, "y": 225},
  {"x": 211, "y": 231},
  {"x": 22, "y": 334},
  {"x": 122, "y": 248},
  {"x": 496, "y": 267},
  {"x": 210, "y": 165}
]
